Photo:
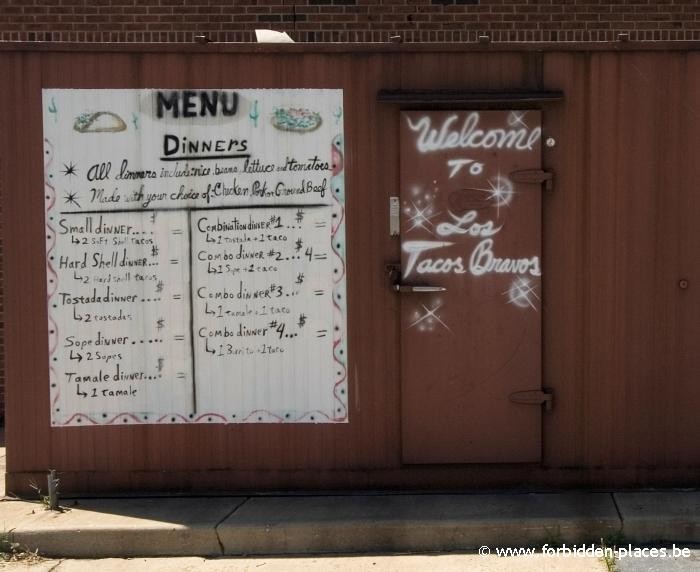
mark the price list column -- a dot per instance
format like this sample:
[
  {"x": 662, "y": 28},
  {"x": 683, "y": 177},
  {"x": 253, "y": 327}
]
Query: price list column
[
  {"x": 119, "y": 317},
  {"x": 262, "y": 312}
]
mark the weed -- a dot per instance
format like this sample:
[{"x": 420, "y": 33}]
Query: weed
[
  {"x": 43, "y": 499},
  {"x": 11, "y": 551},
  {"x": 609, "y": 558}
]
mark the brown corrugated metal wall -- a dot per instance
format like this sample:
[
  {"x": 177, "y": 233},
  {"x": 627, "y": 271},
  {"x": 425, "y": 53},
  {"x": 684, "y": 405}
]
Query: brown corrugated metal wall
[{"x": 620, "y": 346}]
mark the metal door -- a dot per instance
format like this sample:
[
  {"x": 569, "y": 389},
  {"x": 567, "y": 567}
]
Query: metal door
[{"x": 470, "y": 286}]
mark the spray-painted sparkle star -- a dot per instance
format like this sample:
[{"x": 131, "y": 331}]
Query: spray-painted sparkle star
[
  {"x": 517, "y": 119},
  {"x": 500, "y": 192},
  {"x": 70, "y": 169},
  {"x": 71, "y": 199},
  {"x": 421, "y": 217},
  {"x": 430, "y": 316},
  {"x": 522, "y": 293}
]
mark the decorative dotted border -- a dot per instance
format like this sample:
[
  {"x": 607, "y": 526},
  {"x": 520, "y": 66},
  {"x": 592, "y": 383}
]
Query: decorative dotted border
[
  {"x": 51, "y": 275},
  {"x": 338, "y": 244}
]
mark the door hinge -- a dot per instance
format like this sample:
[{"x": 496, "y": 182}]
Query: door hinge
[
  {"x": 533, "y": 397},
  {"x": 535, "y": 177}
]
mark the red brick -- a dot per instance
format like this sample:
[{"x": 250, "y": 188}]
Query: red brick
[{"x": 418, "y": 20}]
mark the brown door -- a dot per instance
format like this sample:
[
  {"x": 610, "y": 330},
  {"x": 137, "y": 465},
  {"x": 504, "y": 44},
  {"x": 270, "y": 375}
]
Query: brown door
[{"x": 471, "y": 242}]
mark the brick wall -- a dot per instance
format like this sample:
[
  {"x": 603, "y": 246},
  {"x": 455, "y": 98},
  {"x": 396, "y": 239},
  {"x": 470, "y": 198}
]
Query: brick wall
[{"x": 348, "y": 20}]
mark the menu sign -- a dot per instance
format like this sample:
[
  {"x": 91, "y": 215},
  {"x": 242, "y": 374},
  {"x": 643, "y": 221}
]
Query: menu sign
[{"x": 195, "y": 256}]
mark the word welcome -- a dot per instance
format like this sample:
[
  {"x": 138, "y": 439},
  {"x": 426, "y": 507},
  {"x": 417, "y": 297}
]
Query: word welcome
[{"x": 448, "y": 136}]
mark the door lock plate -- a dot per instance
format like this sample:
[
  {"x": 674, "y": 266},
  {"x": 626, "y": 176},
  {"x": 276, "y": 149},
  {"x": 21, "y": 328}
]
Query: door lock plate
[{"x": 394, "y": 216}]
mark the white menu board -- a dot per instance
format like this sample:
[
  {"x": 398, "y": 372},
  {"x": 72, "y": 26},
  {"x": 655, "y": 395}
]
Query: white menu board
[{"x": 195, "y": 256}]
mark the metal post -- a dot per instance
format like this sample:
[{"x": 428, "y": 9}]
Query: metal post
[{"x": 53, "y": 490}]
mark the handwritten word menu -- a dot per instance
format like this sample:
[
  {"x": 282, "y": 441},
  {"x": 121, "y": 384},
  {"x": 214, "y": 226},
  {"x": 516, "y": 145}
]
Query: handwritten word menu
[{"x": 195, "y": 256}]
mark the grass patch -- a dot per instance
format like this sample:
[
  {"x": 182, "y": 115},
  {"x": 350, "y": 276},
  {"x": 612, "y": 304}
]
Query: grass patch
[
  {"x": 11, "y": 551},
  {"x": 608, "y": 543}
]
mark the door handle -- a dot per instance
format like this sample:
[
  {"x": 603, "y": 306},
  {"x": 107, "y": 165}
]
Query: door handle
[
  {"x": 414, "y": 289},
  {"x": 394, "y": 272}
]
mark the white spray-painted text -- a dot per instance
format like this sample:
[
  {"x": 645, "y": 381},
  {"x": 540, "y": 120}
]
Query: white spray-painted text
[{"x": 448, "y": 136}]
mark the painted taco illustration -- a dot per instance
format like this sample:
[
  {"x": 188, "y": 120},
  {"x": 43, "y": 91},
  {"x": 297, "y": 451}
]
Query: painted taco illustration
[
  {"x": 99, "y": 122},
  {"x": 296, "y": 119}
]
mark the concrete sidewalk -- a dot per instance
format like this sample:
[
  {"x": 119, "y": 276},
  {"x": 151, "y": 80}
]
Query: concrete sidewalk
[
  {"x": 327, "y": 563},
  {"x": 349, "y": 523},
  {"x": 99, "y": 528}
]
